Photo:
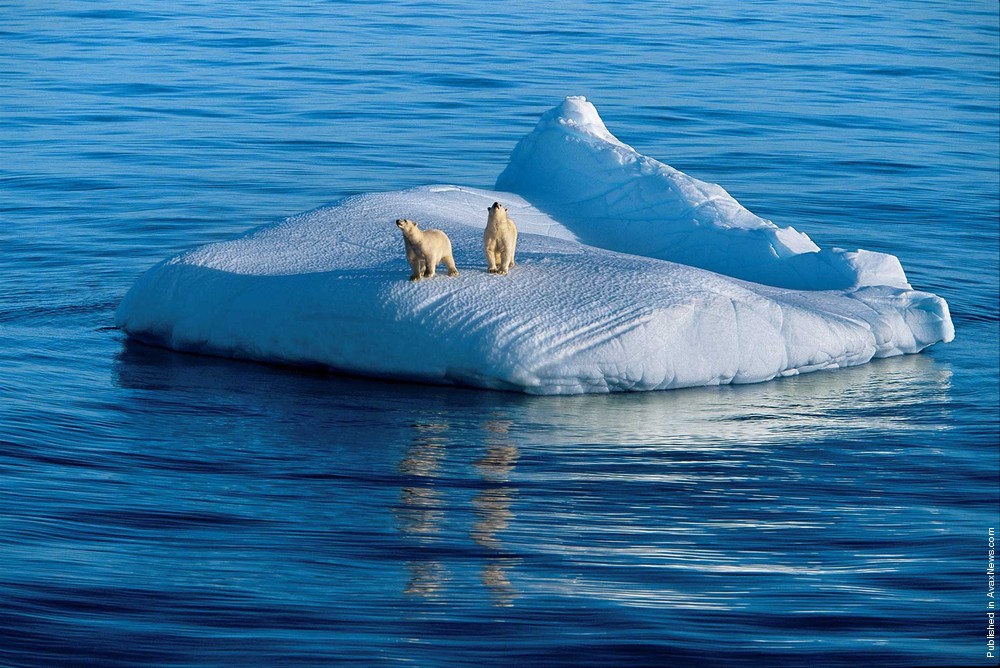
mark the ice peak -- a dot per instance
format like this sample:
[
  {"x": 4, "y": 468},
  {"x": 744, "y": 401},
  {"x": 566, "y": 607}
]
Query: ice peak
[
  {"x": 611, "y": 196},
  {"x": 578, "y": 114}
]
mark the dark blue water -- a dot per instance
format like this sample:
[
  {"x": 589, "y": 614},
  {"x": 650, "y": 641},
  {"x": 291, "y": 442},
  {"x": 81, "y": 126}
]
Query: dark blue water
[{"x": 162, "y": 509}]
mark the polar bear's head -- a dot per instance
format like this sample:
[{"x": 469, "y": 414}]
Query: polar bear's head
[
  {"x": 498, "y": 212},
  {"x": 407, "y": 225}
]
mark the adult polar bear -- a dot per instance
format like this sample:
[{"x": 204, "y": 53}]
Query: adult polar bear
[{"x": 499, "y": 240}]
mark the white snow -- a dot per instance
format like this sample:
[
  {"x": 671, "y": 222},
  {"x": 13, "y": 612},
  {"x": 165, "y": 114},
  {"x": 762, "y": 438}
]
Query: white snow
[
  {"x": 329, "y": 287},
  {"x": 571, "y": 167}
]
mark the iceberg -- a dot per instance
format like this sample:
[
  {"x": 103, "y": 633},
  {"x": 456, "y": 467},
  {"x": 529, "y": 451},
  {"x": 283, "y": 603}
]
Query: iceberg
[
  {"x": 613, "y": 197},
  {"x": 630, "y": 276}
]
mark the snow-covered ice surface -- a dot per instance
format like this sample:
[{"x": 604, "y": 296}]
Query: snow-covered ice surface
[
  {"x": 598, "y": 300},
  {"x": 613, "y": 197}
]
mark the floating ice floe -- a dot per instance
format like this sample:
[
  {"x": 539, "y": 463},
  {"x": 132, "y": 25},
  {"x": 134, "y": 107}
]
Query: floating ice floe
[{"x": 630, "y": 275}]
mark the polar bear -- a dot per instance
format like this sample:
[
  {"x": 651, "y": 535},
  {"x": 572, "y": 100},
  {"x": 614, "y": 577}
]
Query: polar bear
[
  {"x": 426, "y": 249},
  {"x": 499, "y": 240}
]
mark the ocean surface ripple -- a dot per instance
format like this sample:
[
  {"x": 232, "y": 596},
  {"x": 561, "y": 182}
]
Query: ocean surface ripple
[{"x": 164, "y": 509}]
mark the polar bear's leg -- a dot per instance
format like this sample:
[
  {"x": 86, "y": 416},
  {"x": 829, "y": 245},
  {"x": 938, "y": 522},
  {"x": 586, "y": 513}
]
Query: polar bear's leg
[
  {"x": 449, "y": 262},
  {"x": 491, "y": 257},
  {"x": 416, "y": 264},
  {"x": 431, "y": 262},
  {"x": 507, "y": 261}
]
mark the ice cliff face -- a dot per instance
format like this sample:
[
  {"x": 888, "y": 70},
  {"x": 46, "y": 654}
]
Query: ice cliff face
[{"x": 328, "y": 288}]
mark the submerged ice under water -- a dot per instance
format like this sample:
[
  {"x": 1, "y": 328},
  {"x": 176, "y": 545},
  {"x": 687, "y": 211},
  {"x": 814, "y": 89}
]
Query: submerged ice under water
[{"x": 169, "y": 509}]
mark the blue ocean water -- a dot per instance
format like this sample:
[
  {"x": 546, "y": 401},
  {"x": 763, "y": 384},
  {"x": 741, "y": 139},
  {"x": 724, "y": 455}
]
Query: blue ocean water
[{"x": 165, "y": 509}]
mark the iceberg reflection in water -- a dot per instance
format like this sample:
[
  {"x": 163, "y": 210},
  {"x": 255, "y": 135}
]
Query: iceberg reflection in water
[
  {"x": 884, "y": 394},
  {"x": 639, "y": 499}
]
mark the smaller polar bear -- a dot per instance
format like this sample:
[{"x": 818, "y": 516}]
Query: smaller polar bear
[
  {"x": 499, "y": 240},
  {"x": 425, "y": 250}
]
